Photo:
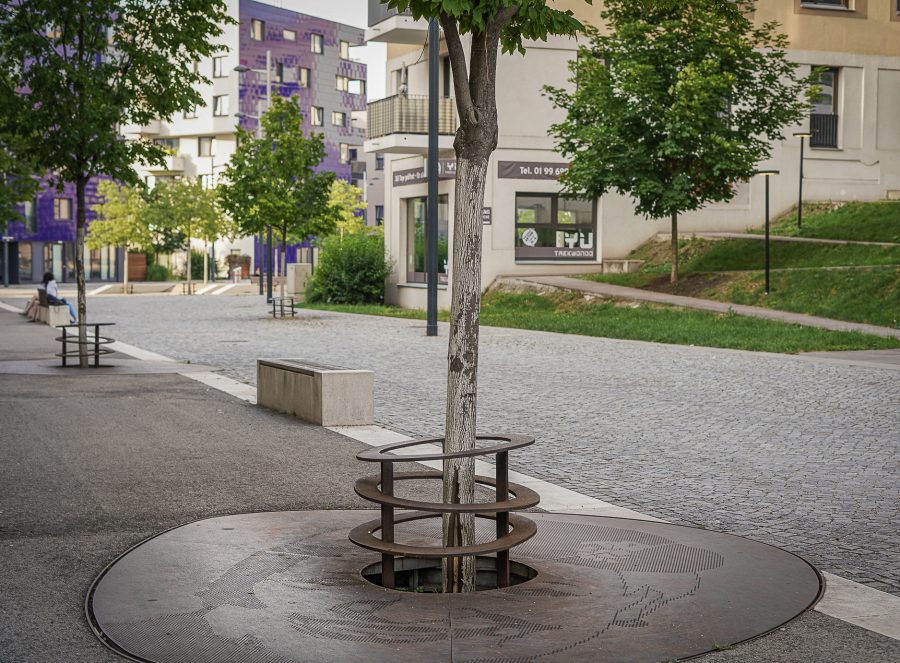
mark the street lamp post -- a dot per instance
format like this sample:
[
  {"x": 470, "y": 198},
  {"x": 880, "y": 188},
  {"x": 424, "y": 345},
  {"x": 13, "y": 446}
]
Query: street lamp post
[
  {"x": 6, "y": 241},
  {"x": 802, "y": 135},
  {"x": 767, "y": 174},
  {"x": 431, "y": 222}
]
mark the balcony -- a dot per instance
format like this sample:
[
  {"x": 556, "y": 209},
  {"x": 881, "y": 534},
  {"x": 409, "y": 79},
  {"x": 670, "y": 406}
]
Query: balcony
[
  {"x": 399, "y": 125},
  {"x": 171, "y": 164},
  {"x": 152, "y": 128},
  {"x": 824, "y": 130},
  {"x": 389, "y": 25}
]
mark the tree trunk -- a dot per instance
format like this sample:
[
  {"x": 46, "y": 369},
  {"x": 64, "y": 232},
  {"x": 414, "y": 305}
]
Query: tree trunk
[
  {"x": 80, "y": 221},
  {"x": 188, "y": 275},
  {"x": 462, "y": 360},
  {"x": 206, "y": 264},
  {"x": 283, "y": 262},
  {"x": 673, "y": 277},
  {"x": 125, "y": 274}
]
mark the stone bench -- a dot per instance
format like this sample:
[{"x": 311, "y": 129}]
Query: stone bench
[
  {"x": 324, "y": 395},
  {"x": 55, "y": 315}
]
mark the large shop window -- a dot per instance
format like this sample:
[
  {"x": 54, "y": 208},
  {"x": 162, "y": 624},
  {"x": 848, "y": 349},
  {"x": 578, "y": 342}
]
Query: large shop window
[
  {"x": 554, "y": 227},
  {"x": 416, "y": 214}
]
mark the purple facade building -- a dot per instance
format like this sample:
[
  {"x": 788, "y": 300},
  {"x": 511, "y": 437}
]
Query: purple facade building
[{"x": 310, "y": 59}]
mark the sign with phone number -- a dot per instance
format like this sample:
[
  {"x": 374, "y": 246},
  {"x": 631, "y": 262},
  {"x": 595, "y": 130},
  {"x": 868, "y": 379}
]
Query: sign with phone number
[{"x": 530, "y": 170}]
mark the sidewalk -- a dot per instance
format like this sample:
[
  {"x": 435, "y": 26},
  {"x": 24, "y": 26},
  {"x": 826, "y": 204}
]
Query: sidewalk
[
  {"x": 96, "y": 463},
  {"x": 638, "y": 294}
]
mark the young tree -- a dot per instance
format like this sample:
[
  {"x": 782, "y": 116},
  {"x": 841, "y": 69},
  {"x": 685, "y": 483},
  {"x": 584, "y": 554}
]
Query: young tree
[
  {"x": 187, "y": 209},
  {"x": 16, "y": 185},
  {"x": 676, "y": 105},
  {"x": 346, "y": 202},
  {"x": 491, "y": 25},
  {"x": 213, "y": 227},
  {"x": 74, "y": 72},
  {"x": 272, "y": 180},
  {"x": 120, "y": 222}
]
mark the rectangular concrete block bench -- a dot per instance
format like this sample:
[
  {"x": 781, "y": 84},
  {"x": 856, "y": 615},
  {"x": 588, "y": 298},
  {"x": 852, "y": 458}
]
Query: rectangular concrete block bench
[{"x": 324, "y": 395}]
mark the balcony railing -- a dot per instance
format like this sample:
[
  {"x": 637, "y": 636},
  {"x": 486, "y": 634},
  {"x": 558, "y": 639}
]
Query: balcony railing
[
  {"x": 824, "y": 130},
  {"x": 407, "y": 114}
]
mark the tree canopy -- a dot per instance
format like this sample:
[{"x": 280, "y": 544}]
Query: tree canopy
[
  {"x": 346, "y": 202},
  {"x": 120, "y": 218},
  {"x": 676, "y": 104}
]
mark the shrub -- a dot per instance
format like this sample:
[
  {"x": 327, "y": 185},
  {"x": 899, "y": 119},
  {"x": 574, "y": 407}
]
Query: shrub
[
  {"x": 197, "y": 265},
  {"x": 351, "y": 270},
  {"x": 158, "y": 273}
]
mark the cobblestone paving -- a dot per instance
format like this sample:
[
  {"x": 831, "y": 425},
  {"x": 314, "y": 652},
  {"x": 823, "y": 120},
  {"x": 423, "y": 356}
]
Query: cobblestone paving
[{"x": 798, "y": 453}]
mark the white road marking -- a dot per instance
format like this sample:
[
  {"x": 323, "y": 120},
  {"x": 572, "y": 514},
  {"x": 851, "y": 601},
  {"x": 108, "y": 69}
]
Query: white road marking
[
  {"x": 102, "y": 288},
  {"x": 10, "y": 308},
  {"x": 225, "y": 289},
  {"x": 207, "y": 288}
]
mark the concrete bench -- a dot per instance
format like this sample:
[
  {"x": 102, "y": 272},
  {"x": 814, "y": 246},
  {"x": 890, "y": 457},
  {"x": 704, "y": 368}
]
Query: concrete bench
[
  {"x": 55, "y": 315},
  {"x": 324, "y": 395}
]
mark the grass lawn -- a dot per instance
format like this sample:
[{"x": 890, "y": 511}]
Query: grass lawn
[
  {"x": 804, "y": 276},
  {"x": 572, "y": 313},
  {"x": 862, "y": 222}
]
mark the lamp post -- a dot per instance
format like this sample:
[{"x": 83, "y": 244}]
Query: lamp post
[
  {"x": 431, "y": 222},
  {"x": 802, "y": 135},
  {"x": 6, "y": 241},
  {"x": 767, "y": 174}
]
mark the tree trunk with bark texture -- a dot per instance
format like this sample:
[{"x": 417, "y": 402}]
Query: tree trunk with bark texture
[
  {"x": 189, "y": 252},
  {"x": 476, "y": 139},
  {"x": 81, "y": 216},
  {"x": 206, "y": 264},
  {"x": 125, "y": 275},
  {"x": 673, "y": 277}
]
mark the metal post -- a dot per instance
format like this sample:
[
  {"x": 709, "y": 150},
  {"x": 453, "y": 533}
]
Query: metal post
[
  {"x": 269, "y": 258},
  {"x": 431, "y": 223},
  {"x": 800, "y": 201},
  {"x": 6, "y": 262},
  {"x": 387, "y": 525},
  {"x": 767, "y": 234},
  {"x": 260, "y": 263},
  {"x": 502, "y": 478}
]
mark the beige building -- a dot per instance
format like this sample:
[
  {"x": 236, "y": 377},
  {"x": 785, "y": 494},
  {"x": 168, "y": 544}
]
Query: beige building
[{"x": 855, "y": 154}]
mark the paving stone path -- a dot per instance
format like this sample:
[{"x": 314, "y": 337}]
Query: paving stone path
[{"x": 800, "y": 453}]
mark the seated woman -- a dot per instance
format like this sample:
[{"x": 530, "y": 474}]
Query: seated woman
[
  {"x": 53, "y": 295},
  {"x": 32, "y": 308}
]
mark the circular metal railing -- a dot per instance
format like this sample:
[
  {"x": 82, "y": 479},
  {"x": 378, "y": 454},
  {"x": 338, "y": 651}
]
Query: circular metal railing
[
  {"x": 379, "y": 489},
  {"x": 94, "y": 344}
]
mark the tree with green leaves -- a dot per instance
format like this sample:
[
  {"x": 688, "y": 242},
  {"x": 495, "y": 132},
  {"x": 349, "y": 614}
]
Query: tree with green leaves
[
  {"x": 17, "y": 181},
  {"x": 676, "y": 104},
  {"x": 73, "y": 73},
  {"x": 492, "y": 26},
  {"x": 347, "y": 202},
  {"x": 120, "y": 221},
  {"x": 187, "y": 209},
  {"x": 272, "y": 180}
]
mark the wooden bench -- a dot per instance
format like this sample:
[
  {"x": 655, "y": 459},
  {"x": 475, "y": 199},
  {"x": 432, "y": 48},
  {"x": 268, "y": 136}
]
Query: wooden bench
[
  {"x": 324, "y": 395},
  {"x": 54, "y": 315},
  {"x": 95, "y": 343}
]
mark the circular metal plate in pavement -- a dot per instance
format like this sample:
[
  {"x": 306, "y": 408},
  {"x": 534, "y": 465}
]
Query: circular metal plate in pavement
[{"x": 285, "y": 587}]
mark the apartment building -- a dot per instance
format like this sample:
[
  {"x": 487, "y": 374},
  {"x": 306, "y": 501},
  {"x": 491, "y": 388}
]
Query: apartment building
[
  {"x": 309, "y": 57},
  {"x": 854, "y": 153}
]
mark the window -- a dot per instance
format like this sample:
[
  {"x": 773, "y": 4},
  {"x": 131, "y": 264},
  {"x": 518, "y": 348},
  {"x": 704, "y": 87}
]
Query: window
[
  {"x": 338, "y": 118},
  {"x": 823, "y": 118},
  {"x": 356, "y": 86},
  {"x": 25, "y": 261},
  {"x": 379, "y": 161},
  {"x": 317, "y": 116},
  {"x": 289, "y": 35},
  {"x": 206, "y": 181},
  {"x": 379, "y": 216},
  {"x": 62, "y": 209},
  {"x": 302, "y": 76},
  {"x": 341, "y": 83},
  {"x": 554, "y": 227},
  {"x": 824, "y": 3},
  {"x": 345, "y": 50},
  {"x": 345, "y": 153},
  {"x": 170, "y": 145},
  {"x": 279, "y": 72},
  {"x": 219, "y": 67},
  {"x": 416, "y": 210},
  {"x": 191, "y": 114},
  {"x": 220, "y": 105},
  {"x": 354, "y": 153},
  {"x": 205, "y": 146},
  {"x": 446, "y": 78},
  {"x": 257, "y": 30},
  {"x": 29, "y": 212},
  {"x": 317, "y": 43}
]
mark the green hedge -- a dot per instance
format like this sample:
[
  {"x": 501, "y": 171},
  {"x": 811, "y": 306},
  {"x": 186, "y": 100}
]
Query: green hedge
[{"x": 351, "y": 270}]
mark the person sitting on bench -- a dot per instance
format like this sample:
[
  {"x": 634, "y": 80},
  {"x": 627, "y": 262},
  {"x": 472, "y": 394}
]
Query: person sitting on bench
[
  {"x": 32, "y": 308},
  {"x": 53, "y": 295}
]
